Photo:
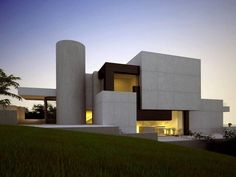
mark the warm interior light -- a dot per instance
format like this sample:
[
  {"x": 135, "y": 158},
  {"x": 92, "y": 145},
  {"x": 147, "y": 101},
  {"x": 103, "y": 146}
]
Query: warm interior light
[
  {"x": 172, "y": 127},
  {"x": 125, "y": 82},
  {"x": 137, "y": 128},
  {"x": 89, "y": 117}
]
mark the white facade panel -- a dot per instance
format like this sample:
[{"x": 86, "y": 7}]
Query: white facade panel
[
  {"x": 116, "y": 108},
  {"x": 169, "y": 82},
  {"x": 136, "y": 60},
  {"x": 209, "y": 119},
  {"x": 96, "y": 88}
]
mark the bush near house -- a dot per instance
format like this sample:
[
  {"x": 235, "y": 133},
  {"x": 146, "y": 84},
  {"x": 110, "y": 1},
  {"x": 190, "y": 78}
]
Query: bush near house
[
  {"x": 225, "y": 146},
  {"x": 31, "y": 152}
]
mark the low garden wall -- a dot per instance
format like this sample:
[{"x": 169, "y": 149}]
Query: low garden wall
[{"x": 8, "y": 117}]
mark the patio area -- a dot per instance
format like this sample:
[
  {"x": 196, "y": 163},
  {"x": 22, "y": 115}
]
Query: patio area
[{"x": 175, "y": 138}]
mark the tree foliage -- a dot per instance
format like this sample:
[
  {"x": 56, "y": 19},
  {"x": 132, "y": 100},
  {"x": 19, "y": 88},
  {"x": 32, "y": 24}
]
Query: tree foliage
[
  {"x": 38, "y": 112},
  {"x": 38, "y": 109},
  {"x": 6, "y": 82}
]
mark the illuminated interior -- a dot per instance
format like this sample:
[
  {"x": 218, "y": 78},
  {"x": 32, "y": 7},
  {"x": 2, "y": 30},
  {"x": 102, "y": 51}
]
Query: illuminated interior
[
  {"x": 125, "y": 82},
  {"x": 163, "y": 128},
  {"x": 89, "y": 117}
]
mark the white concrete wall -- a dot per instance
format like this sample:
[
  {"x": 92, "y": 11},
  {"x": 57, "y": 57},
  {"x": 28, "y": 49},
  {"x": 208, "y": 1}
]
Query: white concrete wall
[
  {"x": 20, "y": 112},
  {"x": 8, "y": 117},
  {"x": 209, "y": 119},
  {"x": 116, "y": 108},
  {"x": 89, "y": 91},
  {"x": 96, "y": 88},
  {"x": 169, "y": 82},
  {"x": 136, "y": 60},
  {"x": 70, "y": 77}
]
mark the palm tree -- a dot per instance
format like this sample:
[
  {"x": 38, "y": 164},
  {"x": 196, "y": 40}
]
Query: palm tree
[{"x": 7, "y": 81}]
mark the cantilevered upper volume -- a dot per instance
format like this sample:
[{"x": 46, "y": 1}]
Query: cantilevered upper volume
[
  {"x": 169, "y": 82},
  {"x": 152, "y": 93}
]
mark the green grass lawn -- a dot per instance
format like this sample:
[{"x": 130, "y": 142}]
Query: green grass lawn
[{"x": 32, "y": 152}]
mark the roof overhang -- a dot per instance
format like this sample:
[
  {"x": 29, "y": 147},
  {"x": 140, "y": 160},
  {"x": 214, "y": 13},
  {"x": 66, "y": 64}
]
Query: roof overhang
[{"x": 30, "y": 93}]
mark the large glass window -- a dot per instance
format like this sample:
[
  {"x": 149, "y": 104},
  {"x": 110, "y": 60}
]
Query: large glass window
[
  {"x": 172, "y": 127},
  {"x": 125, "y": 82}
]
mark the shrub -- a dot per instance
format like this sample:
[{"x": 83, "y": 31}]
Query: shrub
[{"x": 229, "y": 133}]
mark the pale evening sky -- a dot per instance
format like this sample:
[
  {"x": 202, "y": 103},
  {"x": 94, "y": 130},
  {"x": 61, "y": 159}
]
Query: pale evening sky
[{"x": 116, "y": 31}]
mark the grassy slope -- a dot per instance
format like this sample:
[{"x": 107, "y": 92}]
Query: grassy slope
[{"x": 26, "y": 151}]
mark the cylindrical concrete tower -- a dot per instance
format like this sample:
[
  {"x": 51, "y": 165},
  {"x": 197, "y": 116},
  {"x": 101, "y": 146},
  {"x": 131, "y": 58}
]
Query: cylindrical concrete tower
[{"x": 70, "y": 77}]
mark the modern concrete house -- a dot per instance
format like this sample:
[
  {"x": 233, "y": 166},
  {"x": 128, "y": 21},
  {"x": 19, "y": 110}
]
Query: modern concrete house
[{"x": 151, "y": 93}]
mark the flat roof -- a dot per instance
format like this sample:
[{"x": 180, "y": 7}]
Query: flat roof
[{"x": 30, "y": 93}]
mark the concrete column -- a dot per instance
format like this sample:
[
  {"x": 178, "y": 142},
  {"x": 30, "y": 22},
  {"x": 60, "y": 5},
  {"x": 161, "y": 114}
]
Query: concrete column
[
  {"x": 96, "y": 88},
  {"x": 70, "y": 77}
]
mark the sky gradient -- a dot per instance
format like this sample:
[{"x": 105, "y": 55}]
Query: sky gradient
[{"x": 116, "y": 31}]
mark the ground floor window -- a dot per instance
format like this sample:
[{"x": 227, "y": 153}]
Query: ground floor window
[
  {"x": 163, "y": 128},
  {"x": 89, "y": 117}
]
